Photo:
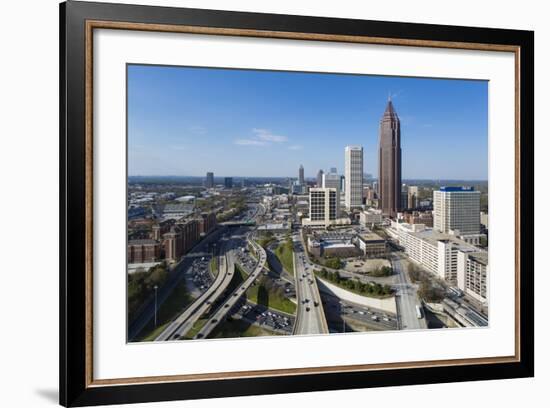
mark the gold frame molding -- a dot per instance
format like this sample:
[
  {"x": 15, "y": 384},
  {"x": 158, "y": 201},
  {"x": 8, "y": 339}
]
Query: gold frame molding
[{"x": 99, "y": 24}]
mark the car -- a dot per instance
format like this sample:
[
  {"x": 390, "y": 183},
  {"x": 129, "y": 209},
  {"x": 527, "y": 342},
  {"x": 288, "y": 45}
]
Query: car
[
  {"x": 200, "y": 336},
  {"x": 316, "y": 304},
  {"x": 226, "y": 305},
  {"x": 214, "y": 320},
  {"x": 307, "y": 309}
]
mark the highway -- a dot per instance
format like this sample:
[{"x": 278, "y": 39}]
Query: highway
[
  {"x": 148, "y": 309},
  {"x": 185, "y": 321},
  {"x": 406, "y": 299},
  {"x": 310, "y": 316},
  {"x": 219, "y": 315}
]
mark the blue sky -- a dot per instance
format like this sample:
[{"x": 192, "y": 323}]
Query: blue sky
[{"x": 187, "y": 121}]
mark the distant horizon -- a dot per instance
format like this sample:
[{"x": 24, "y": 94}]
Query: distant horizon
[
  {"x": 287, "y": 177},
  {"x": 184, "y": 120}
]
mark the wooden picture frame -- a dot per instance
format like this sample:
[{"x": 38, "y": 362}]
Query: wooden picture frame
[{"x": 78, "y": 20}]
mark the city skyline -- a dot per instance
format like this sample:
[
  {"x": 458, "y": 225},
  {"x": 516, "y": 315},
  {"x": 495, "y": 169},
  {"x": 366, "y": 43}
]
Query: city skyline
[{"x": 162, "y": 142}]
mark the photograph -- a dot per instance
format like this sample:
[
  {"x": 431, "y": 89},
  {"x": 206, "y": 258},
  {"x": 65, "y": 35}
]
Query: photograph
[{"x": 289, "y": 203}]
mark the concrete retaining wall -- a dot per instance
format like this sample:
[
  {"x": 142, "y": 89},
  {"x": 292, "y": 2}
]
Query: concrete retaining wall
[{"x": 386, "y": 304}]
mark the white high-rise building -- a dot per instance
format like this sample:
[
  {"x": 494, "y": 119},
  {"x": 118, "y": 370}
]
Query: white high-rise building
[
  {"x": 323, "y": 206},
  {"x": 456, "y": 211},
  {"x": 353, "y": 177}
]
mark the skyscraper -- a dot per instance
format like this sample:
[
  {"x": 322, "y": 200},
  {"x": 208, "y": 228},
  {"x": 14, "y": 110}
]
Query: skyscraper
[
  {"x": 301, "y": 180},
  {"x": 320, "y": 178},
  {"x": 353, "y": 177},
  {"x": 228, "y": 182},
  {"x": 331, "y": 179},
  {"x": 412, "y": 197},
  {"x": 456, "y": 209},
  {"x": 389, "y": 162},
  {"x": 209, "y": 180}
]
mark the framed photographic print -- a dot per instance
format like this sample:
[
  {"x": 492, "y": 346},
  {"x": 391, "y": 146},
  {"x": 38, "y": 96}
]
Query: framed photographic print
[{"x": 256, "y": 203}]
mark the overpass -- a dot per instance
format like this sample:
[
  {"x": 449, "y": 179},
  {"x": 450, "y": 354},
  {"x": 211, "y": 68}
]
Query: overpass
[
  {"x": 185, "y": 321},
  {"x": 219, "y": 315},
  {"x": 243, "y": 223}
]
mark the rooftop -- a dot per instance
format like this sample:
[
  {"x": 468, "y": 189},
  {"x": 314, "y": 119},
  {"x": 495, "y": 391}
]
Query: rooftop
[
  {"x": 433, "y": 236},
  {"x": 168, "y": 208},
  {"x": 456, "y": 189},
  {"x": 481, "y": 257},
  {"x": 370, "y": 236}
]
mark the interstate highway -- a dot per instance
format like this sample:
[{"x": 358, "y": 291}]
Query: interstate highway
[{"x": 310, "y": 316}]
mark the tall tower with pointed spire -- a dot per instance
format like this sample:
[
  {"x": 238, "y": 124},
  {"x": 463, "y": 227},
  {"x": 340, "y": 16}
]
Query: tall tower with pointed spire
[{"x": 389, "y": 162}]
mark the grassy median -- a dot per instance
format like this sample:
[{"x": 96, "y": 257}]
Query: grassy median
[
  {"x": 266, "y": 293},
  {"x": 214, "y": 266},
  {"x": 285, "y": 253}
]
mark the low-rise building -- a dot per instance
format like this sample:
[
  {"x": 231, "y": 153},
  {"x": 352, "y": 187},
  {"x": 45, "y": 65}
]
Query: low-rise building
[
  {"x": 419, "y": 217},
  {"x": 371, "y": 217},
  {"x": 177, "y": 211},
  {"x": 333, "y": 244},
  {"x": 332, "y": 247},
  {"x": 371, "y": 245}
]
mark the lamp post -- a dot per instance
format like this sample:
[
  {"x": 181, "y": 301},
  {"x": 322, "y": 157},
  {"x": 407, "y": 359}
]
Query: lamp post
[{"x": 156, "y": 287}]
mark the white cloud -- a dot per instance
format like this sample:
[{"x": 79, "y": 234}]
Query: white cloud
[
  {"x": 250, "y": 142},
  {"x": 262, "y": 137},
  {"x": 266, "y": 135}
]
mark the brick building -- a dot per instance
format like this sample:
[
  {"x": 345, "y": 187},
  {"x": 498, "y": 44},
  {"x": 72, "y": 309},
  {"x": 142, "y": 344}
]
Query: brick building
[
  {"x": 207, "y": 222},
  {"x": 180, "y": 239},
  {"x": 143, "y": 251}
]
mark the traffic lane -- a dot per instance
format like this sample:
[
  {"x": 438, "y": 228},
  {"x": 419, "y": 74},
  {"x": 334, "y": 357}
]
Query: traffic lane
[
  {"x": 337, "y": 309},
  {"x": 206, "y": 303},
  {"x": 310, "y": 316},
  {"x": 223, "y": 310},
  {"x": 407, "y": 300}
]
